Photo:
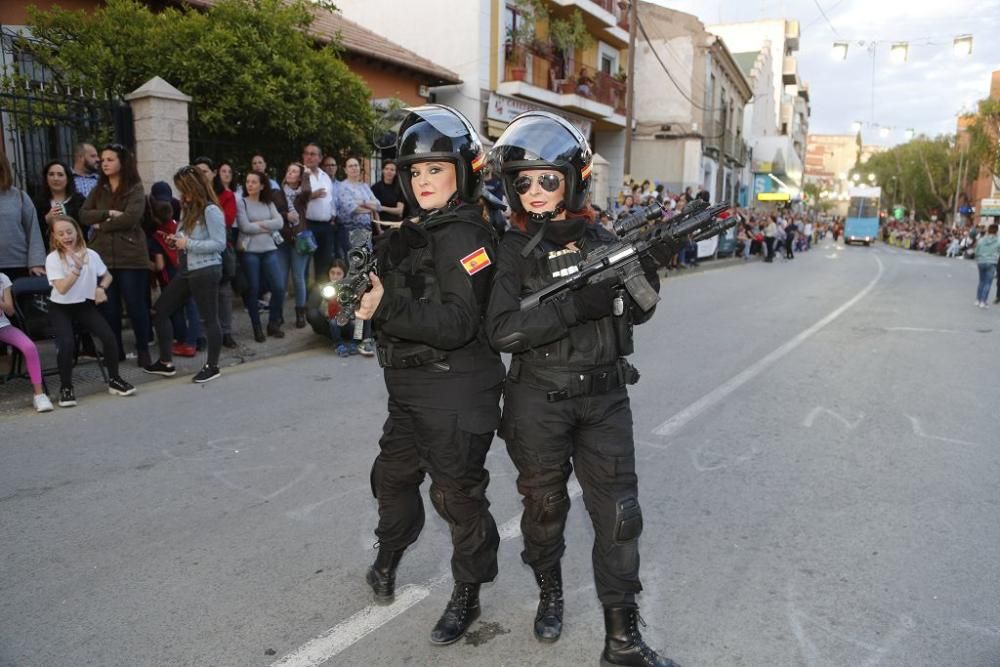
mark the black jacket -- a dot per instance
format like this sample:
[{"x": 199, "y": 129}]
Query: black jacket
[
  {"x": 553, "y": 336},
  {"x": 437, "y": 277}
]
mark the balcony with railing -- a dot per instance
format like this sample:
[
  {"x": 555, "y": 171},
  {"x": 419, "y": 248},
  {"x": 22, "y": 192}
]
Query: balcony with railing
[
  {"x": 606, "y": 19},
  {"x": 539, "y": 73}
]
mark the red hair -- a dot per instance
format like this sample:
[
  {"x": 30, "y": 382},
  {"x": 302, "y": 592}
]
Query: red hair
[{"x": 520, "y": 220}]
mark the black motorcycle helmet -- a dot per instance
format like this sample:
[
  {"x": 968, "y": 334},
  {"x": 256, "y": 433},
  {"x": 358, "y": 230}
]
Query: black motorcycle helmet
[
  {"x": 543, "y": 140},
  {"x": 438, "y": 132}
]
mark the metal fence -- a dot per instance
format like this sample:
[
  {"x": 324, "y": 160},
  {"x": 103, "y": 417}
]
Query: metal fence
[{"x": 42, "y": 120}]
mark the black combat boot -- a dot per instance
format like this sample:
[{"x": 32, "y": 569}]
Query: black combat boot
[
  {"x": 623, "y": 645},
  {"x": 462, "y": 610},
  {"x": 548, "y": 618},
  {"x": 274, "y": 329},
  {"x": 382, "y": 575},
  {"x": 258, "y": 333},
  {"x": 300, "y": 317}
]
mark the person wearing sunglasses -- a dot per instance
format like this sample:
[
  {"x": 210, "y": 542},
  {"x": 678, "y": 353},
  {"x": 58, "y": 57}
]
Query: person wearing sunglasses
[
  {"x": 566, "y": 404},
  {"x": 444, "y": 380}
]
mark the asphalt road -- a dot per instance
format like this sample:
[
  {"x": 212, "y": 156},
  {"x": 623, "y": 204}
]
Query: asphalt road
[{"x": 819, "y": 463}]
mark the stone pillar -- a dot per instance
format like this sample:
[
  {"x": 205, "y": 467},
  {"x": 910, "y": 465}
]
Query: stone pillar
[{"x": 160, "y": 115}]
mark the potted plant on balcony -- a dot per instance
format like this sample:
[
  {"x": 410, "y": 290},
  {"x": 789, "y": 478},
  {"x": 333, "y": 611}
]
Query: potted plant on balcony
[
  {"x": 567, "y": 35},
  {"x": 520, "y": 36}
]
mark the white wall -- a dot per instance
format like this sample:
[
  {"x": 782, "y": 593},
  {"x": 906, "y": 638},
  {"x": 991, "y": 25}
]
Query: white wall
[
  {"x": 452, "y": 34},
  {"x": 674, "y": 162},
  {"x": 656, "y": 97},
  {"x": 610, "y": 144}
]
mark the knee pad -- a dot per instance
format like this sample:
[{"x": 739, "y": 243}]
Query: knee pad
[
  {"x": 439, "y": 498},
  {"x": 628, "y": 519},
  {"x": 548, "y": 514}
]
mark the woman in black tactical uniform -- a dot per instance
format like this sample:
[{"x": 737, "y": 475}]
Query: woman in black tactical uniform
[
  {"x": 443, "y": 378},
  {"x": 565, "y": 402}
]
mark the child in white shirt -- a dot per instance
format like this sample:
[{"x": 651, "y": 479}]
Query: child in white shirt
[{"x": 79, "y": 279}]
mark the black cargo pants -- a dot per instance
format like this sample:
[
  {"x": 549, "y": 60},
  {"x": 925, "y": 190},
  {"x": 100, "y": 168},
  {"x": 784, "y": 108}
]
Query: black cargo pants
[
  {"x": 545, "y": 440},
  {"x": 451, "y": 446}
]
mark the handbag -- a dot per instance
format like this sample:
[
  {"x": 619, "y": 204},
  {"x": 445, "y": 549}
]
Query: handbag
[{"x": 305, "y": 242}]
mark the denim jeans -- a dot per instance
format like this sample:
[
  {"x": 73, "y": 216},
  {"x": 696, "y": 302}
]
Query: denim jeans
[
  {"x": 986, "y": 273},
  {"x": 324, "y": 233},
  {"x": 132, "y": 286},
  {"x": 341, "y": 241},
  {"x": 255, "y": 264},
  {"x": 294, "y": 262}
]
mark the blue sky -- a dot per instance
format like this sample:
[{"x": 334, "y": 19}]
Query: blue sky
[{"x": 926, "y": 93}]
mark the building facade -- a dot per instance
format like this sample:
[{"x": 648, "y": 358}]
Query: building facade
[
  {"x": 830, "y": 158},
  {"x": 690, "y": 96},
  {"x": 778, "y": 158},
  {"x": 510, "y": 60}
]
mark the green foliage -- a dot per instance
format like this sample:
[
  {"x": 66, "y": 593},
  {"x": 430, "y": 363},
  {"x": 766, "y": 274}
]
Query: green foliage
[
  {"x": 922, "y": 174},
  {"x": 984, "y": 134},
  {"x": 571, "y": 33},
  {"x": 257, "y": 78}
]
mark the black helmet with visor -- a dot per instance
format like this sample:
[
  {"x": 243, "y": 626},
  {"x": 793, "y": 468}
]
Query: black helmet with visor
[
  {"x": 543, "y": 140},
  {"x": 437, "y": 132}
]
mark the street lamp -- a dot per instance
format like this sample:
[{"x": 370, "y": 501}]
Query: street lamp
[
  {"x": 856, "y": 177},
  {"x": 962, "y": 46},
  {"x": 871, "y": 178},
  {"x": 840, "y": 50},
  {"x": 899, "y": 52}
]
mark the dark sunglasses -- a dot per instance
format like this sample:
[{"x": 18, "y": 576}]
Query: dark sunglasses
[{"x": 549, "y": 183}]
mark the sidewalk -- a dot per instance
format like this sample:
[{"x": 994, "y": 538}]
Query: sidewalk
[{"x": 15, "y": 396}]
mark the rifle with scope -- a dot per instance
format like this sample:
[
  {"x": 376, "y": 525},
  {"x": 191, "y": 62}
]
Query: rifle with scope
[
  {"x": 643, "y": 233},
  {"x": 361, "y": 261}
]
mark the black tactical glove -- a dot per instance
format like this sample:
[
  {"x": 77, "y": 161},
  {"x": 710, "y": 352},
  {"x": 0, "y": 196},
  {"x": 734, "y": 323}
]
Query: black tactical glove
[
  {"x": 593, "y": 301},
  {"x": 660, "y": 252},
  {"x": 649, "y": 267}
]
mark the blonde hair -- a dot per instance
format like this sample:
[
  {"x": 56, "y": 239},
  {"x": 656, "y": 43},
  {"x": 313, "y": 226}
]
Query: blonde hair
[{"x": 81, "y": 243}]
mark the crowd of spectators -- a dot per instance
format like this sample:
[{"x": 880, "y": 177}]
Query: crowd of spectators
[{"x": 126, "y": 250}]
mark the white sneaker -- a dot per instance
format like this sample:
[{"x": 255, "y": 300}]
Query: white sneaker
[{"x": 42, "y": 403}]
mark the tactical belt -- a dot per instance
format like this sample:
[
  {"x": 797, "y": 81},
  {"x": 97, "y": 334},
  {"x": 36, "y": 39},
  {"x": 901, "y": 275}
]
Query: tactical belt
[
  {"x": 391, "y": 357},
  {"x": 571, "y": 384}
]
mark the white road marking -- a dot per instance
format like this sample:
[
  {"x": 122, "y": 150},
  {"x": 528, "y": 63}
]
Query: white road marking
[
  {"x": 817, "y": 411},
  {"x": 918, "y": 430},
  {"x": 348, "y": 632},
  {"x": 681, "y": 419}
]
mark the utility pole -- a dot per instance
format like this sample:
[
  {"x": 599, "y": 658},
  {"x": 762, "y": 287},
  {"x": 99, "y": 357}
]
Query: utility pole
[
  {"x": 633, "y": 19},
  {"x": 958, "y": 186}
]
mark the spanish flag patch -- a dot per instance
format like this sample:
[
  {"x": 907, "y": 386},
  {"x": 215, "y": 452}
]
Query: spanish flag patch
[{"x": 476, "y": 261}]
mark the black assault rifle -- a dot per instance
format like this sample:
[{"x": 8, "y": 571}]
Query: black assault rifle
[{"x": 640, "y": 236}]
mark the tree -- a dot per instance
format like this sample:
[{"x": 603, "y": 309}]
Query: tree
[
  {"x": 923, "y": 173},
  {"x": 984, "y": 135},
  {"x": 259, "y": 80}
]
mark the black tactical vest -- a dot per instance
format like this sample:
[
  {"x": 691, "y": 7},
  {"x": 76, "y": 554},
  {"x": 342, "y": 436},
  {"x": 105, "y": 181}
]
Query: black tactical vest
[
  {"x": 589, "y": 345},
  {"x": 415, "y": 278}
]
